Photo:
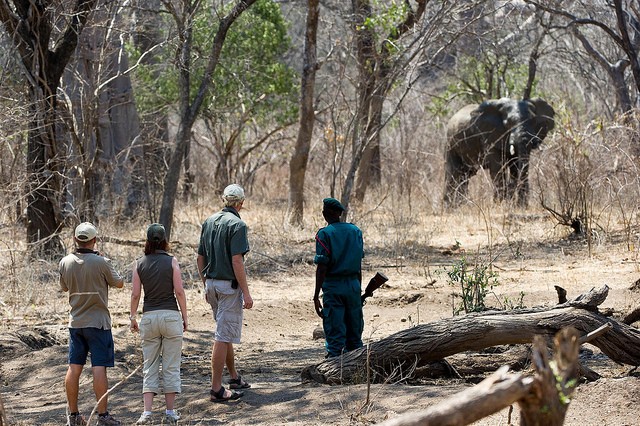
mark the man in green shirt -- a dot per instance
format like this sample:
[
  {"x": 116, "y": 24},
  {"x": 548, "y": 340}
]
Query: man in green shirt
[{"x": 223, "y": 244}]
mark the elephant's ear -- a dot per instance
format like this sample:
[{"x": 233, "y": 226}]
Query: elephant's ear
[
  {"x": 544, "y": 116},
  {"x": 543, "y": 109}
]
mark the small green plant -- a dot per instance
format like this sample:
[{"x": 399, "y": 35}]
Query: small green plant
[
  {"x": 475, "y": 282},
  {"x": 510, "y": 304}
]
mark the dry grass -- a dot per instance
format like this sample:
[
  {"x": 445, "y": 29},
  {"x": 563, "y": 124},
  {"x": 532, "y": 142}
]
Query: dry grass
[
  {"x": 402, "y": 220},
  {"x": 397, "y": 235}
]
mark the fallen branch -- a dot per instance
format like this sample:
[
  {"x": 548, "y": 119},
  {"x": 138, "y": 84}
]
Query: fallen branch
[
  {"x": 543, "y": 398},
  {"x": 482, "y": 400},
  {"x": 435, "y": 341},
  {"x": 596, "y": 333},
  {"x": 109, "y": 391}
]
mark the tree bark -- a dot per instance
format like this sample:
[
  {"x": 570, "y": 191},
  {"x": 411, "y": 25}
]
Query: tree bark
[
  {"x": 420, "y": 345},
  {"x": 298, "y": 164}
]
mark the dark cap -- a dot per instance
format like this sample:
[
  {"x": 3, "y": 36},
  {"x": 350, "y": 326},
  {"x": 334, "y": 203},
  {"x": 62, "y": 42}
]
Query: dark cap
[
  {"x": 332, "y": 204},
  {"x": 156, "y": 232}
]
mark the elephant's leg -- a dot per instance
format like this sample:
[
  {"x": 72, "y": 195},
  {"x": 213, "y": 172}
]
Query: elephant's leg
[
  {"x": 520, "y": 178},
  {"x": 498, "y": 169},
  {"x": 457, "y": 176}
]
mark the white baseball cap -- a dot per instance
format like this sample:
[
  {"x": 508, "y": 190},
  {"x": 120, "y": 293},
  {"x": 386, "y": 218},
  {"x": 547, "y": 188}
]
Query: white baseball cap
[
  {"x": 233, "y": 192},
  {"x": 86, "y": 232}
]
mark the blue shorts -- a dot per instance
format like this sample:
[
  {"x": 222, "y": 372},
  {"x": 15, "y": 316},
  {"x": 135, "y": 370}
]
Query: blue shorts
[{"x": 95, "y": 340}]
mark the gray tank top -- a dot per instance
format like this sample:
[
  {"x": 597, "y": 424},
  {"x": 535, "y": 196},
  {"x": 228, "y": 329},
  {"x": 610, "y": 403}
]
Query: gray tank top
[{"x": 156, "y": 274}]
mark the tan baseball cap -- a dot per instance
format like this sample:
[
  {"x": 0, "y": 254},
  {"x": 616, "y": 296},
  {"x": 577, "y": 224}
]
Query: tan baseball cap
[{"x": 86, "y": 232}]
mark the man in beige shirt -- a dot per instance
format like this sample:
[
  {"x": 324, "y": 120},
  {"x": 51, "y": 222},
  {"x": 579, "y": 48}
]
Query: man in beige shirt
[{"x": 87, "y": 276}]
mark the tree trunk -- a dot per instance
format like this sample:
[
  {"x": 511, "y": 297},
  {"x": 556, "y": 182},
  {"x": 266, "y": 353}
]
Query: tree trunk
[
  {"x": 543, "y": 398},
  {"x": 420, "y": 345},
  {"x": 189, "y": 176},
  {"x": 173, "y": 173},
  {"x": 375, "y": 74},
  {"x": 43, "y": 222},
  {"x": 298, "y": 164},
  {"x": 628, "y": 42},
  {"x": 149, "y": 170},
  {"x": 369, "y": 170},
  {"x": 189, "y": 108},
  {"x": 103, "y": 123},
  {"x": 31, "y": 27}
]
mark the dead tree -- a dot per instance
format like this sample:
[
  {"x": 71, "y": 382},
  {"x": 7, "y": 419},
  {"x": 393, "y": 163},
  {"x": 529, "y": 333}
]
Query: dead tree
[
  {"x": 418, "y": 346},
  {"x": 543, "y": 399}
]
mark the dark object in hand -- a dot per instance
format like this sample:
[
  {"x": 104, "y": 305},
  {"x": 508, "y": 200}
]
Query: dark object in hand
[{"x": 374, "y": 284}]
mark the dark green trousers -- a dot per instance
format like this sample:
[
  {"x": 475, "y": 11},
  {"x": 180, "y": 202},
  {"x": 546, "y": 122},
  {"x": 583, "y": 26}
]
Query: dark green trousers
[{"x": 343, "y": 321}]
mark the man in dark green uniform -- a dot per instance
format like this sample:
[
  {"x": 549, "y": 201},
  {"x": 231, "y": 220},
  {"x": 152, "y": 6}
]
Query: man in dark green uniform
[{"x": 339, "y": 253}]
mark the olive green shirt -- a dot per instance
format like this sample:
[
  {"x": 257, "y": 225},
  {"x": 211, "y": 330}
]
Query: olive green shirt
[{"x": 223, "y": 235}]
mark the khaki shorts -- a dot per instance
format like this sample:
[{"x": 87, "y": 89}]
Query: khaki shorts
[{"x": 226, "y": 304}]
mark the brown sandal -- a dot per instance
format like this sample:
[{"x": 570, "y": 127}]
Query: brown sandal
[
  {"x": 219, "y": 395},
  {"x": 238, "y": 383}
]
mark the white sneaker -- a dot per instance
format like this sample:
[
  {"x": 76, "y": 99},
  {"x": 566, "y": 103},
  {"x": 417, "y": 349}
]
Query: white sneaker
[
  {"x": 172, "y": 419},
  {"x": 145, "y": 419}
]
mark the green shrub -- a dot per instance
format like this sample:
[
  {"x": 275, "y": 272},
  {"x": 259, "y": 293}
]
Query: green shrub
[{"x": 475, "y": 283}]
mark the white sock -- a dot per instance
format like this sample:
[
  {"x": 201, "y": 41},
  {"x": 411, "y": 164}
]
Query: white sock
[
  {"x": 170, "y": 412},
  {"x": 147, "y": 413}
]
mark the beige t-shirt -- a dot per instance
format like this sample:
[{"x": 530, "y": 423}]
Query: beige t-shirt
[{"x": 87, "y": 277}]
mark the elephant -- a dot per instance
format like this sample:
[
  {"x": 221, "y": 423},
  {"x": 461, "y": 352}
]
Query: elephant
[{"x": 499, "y": 135}]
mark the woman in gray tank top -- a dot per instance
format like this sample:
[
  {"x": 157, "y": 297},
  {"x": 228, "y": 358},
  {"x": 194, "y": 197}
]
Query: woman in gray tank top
[{"x": 157, "y": 274}]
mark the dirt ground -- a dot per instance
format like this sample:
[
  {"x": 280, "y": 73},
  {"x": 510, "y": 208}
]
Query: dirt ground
[{"x": 277, "y": 338}]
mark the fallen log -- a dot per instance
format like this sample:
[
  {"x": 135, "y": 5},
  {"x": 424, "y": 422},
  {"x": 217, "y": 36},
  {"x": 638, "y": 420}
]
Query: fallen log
[
  {"x": 474, "y": 365},
  {"x": 420, "y": 345},
  {"x": 632, "y": 316},
  {"x": 543, "y": 399}
]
